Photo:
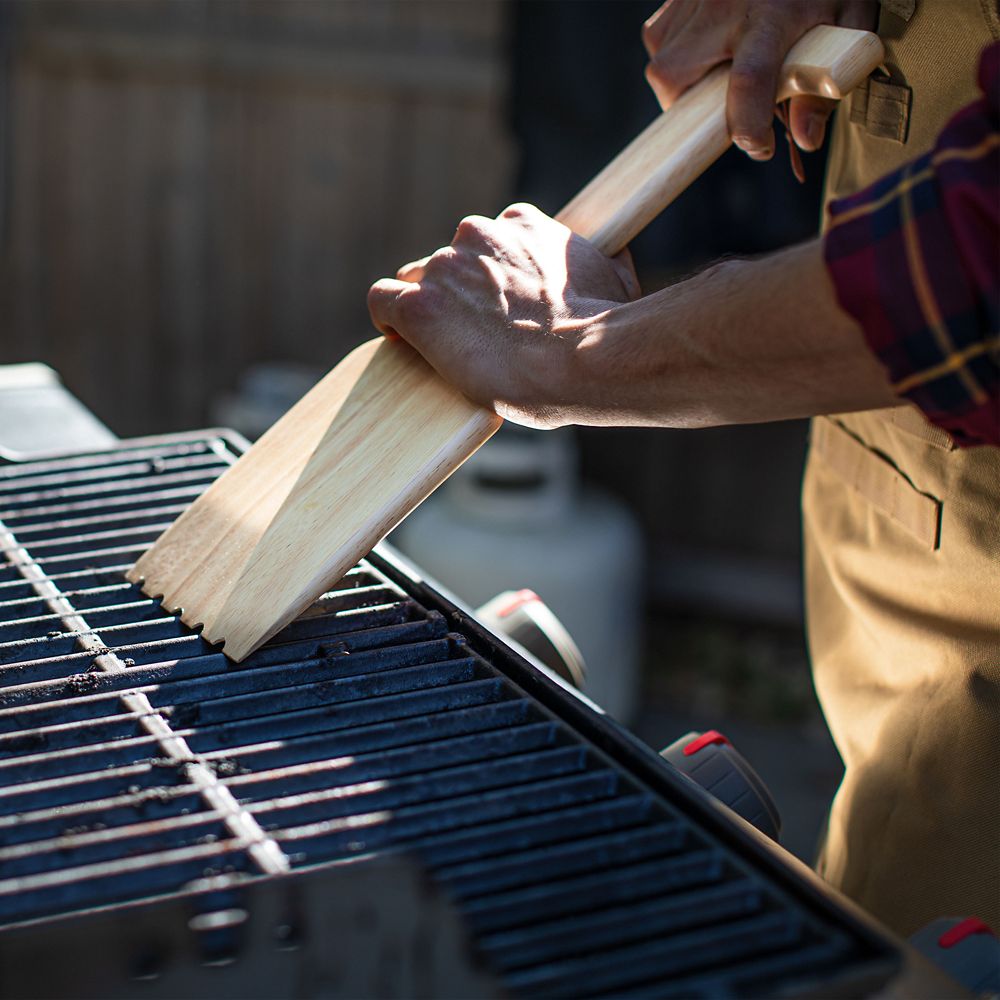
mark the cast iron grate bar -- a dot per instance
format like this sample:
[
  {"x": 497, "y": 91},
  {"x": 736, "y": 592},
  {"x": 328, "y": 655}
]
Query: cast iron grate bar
[
  {"x": 262, "y": 849},
  {"x": 137, "y": 762}
]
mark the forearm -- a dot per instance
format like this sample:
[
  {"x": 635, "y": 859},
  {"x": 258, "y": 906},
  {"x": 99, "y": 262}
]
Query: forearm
[{"x": 744, "y": 341}]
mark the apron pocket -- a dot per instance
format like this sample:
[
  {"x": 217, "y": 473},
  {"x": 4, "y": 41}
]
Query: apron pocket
[{"x": 878, "y": 480}]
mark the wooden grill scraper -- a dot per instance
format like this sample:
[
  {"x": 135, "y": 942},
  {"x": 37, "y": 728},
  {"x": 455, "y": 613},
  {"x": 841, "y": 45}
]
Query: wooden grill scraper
[{"x": 382, "y": 430}]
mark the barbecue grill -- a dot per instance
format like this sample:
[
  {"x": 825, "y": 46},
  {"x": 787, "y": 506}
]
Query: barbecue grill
[{"x": 384, "y": 758}]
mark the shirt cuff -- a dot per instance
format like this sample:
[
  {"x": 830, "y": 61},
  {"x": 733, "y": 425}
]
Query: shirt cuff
[{"x": 914, "y": 260}]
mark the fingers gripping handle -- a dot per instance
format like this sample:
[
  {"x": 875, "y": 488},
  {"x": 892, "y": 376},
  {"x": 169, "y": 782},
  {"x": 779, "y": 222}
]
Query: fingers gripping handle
[{"x": 686, "y": 139}]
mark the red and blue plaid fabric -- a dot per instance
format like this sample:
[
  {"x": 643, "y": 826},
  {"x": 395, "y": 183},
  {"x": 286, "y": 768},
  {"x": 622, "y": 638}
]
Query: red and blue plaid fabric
[{"x": 915, "y": 259}]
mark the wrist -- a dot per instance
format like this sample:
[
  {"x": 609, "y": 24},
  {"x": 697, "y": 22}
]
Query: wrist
[
  {"x": 685, "y": 356},
  {"x": 623, "y": 362},
  {"x": 570, "y": 374}
]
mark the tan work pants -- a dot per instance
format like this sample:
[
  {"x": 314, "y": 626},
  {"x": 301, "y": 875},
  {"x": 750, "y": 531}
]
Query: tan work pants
[{"x": 903, "y": 579}]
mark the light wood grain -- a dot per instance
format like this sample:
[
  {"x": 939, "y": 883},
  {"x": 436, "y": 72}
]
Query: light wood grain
[
  {"x": 326, "y": 482},
  {"x": 382, "y": 430}
]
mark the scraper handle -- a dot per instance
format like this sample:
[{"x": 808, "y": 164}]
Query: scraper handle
[{"x": 689, "y": 137}]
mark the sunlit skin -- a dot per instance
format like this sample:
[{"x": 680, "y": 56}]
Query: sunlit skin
[{"x": 530, "y": 320}]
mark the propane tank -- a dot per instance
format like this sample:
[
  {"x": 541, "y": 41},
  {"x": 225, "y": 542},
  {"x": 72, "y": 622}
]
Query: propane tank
[{"x": 515, "y": 516}]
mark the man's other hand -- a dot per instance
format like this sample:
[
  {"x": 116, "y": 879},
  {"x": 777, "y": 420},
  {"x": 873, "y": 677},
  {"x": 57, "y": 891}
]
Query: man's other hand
[
  {"x": 687, "y": 38},
  {"x": 501, "y": 312}
]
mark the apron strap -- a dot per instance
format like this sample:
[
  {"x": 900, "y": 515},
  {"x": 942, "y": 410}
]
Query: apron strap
[
  {"x": 882, "y": 107},
  {"x": 900, "y": 8}
]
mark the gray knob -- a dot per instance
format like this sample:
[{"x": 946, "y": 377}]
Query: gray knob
[
  {"x": 527, "y": 619},
  {"x": 967, "y": 949},
  {"x": 710, "y": 760}
]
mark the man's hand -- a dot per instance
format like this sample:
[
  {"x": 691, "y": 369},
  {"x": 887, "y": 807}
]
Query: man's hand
[
  {"x": 687, "y": 38},
  {"x": 501, "y": 312},
  {"x": 526, "y": 318}
]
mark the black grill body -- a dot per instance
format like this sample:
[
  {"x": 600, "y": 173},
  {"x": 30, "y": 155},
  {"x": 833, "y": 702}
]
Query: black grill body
[{"x": 137, "y": 764}]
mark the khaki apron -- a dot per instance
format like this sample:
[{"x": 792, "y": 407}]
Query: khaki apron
[{"x": 902, "y": 562}]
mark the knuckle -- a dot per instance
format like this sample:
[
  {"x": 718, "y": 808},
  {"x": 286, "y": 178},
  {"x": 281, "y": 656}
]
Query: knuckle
[
  {"x": 519, "y": 210},
  {"x": 657, "y": 69},
  {"x": 660, "y": 78},
  {"x": 471, "y": 227},
  {"x": 652, "y": 35},
  {"x": 439, "y": 260}
]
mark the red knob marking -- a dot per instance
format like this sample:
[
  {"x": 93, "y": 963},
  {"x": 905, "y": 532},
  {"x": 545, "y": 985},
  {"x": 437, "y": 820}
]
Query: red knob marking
[
  {"x": 706, "y": 739},
  {"x": 968, "y": 927},
  {"x": 518, "y": 600}
]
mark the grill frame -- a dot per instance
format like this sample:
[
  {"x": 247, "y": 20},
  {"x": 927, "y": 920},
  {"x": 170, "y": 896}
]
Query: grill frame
[
  {"x": 611, "y": 743},
  {"x": 623, "y": 747}
]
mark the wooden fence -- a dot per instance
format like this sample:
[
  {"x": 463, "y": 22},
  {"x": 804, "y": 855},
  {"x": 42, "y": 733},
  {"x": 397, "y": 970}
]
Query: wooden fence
[{"x": 195, "y": 186}]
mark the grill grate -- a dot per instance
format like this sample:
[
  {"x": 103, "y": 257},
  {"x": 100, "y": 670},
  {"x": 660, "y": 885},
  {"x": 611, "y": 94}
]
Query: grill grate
[{"x": 136, "y": 761}]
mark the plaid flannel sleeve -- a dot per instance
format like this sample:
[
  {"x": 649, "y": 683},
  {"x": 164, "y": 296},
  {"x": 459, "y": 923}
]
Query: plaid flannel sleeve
[{"x": 915, "y": 259}]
